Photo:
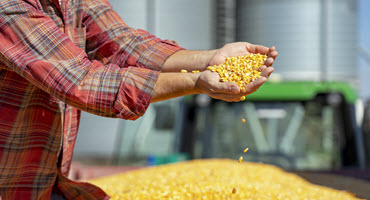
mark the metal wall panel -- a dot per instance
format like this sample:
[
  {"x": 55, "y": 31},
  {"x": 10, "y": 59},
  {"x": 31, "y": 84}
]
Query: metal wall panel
[{"x": 316, "y": 39}]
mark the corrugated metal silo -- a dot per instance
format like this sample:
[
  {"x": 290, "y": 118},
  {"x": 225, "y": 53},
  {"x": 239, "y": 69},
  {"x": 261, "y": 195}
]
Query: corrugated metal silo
[{"x": 316, "y": 39}]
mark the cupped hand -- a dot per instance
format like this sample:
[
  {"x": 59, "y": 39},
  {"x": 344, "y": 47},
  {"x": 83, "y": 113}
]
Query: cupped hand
[
  {"x": 209, "y": 82},
  {"x": 229, "y": 91},
  {"x": 242, "y": 49}
]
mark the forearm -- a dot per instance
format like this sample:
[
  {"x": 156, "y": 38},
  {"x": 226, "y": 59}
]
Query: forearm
[
  {"x": 188, "y": 60},
  {"x": 172, "y": 85}
]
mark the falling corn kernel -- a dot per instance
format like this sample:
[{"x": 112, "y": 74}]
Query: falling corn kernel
[
  {"x": 234, "y": 191},
  {"x": 195, "y": 71},
  {"x": 245, "y": 150},
  {"x": 242, "y": 98},
  {"x": 243, "y": 120},
  {"x": 240, "y": 70},
  {"x": 240, "y": 159},
  {"x": 184, "y": 71}
]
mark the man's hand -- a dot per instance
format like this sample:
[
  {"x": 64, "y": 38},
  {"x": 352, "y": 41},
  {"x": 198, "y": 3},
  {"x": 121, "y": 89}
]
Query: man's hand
[
  {"x": 229, "y": 91},
  {"x": 209, "y": 82},
  {"x": 206, "y": 81},
  {"x": 242, "y": 49}
]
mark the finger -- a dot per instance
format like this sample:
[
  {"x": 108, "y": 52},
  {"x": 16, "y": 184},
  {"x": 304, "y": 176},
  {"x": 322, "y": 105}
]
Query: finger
[
  {"x": 267, "y": 72},
  {"x": 269, "y": 62},
  {"x": 257, "y": 49},
  {"x": 253, "y": 86},
  {"x": 262, "y": 68},
  {"x": 226, "y": 97},
  {"x": 273, "y": 54},
  {"x": 271, "y": 49},
  {"x": 271, "y": 58},
  {"x": 226, "y": 88}
]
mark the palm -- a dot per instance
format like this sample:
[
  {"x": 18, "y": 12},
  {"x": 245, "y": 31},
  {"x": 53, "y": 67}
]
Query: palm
[
  {"x": 229, "y": 50},
  {"x": 240, "y": 49}
]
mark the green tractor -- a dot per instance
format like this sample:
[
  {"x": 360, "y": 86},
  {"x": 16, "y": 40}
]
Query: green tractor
[{"x": 295, "y": 125}]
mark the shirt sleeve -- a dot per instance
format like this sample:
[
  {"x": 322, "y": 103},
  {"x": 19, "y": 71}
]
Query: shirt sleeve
[
  {"x": 33, "y": 46},
  {"x": 109, "y": 39}
]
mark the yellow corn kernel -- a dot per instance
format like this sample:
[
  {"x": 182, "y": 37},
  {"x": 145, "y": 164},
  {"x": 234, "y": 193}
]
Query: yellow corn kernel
[
  {"x": 240, "y": 159},
  {"x": 242, "y": 98},
  {"x": 241, "y": 69},
  {"x": 243, "y": 120},
  {"x": 245, "y": 150},
  {"x": 211, "y": 179},
  {"x": 184, "y": 71},
  {"x": 195, "y": 71}
]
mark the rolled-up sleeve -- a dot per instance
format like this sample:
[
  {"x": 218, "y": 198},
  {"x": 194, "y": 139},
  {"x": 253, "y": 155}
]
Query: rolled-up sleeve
[
  {"x": 33, "y": 46},
  {"x": 110, "y": 40}
]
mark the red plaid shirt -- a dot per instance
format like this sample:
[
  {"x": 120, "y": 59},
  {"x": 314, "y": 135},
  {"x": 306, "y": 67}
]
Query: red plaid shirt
[{"x": 55, "y": 60}]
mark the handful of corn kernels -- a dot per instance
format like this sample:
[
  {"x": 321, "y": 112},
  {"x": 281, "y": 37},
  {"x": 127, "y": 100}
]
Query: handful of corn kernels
[{"x": 240, "y": 70}]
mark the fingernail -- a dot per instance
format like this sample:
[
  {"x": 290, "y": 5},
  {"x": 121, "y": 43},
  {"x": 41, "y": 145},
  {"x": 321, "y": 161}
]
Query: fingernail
[{"x": 234, "y": 89}]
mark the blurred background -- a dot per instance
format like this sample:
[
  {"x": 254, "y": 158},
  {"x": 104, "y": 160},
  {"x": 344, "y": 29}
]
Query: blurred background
[{"x": 312, "y": 115}]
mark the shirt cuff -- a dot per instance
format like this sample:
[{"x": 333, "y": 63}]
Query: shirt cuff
[
  {"x": 155, "y": 56},
  {"x": 135, "y": 92}
]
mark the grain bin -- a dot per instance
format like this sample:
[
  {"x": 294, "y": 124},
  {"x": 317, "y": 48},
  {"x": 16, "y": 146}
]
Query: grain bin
[{"x": 316, "y": 39}]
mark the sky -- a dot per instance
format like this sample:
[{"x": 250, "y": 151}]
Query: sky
[{"x": 364, "y": 41}]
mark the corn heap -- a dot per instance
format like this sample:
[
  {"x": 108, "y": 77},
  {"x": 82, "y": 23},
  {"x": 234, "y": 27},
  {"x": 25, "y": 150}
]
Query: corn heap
[
  {"x": 214, "y": 180},
  {"x": 240, "y": 70}
]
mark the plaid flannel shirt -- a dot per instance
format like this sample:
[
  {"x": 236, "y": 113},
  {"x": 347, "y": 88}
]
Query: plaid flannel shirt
[{"x": 55, "y": 60}]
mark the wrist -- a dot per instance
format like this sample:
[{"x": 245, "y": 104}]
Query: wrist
[
  {"x": 188, "y": 60},
  {"x": 196, "y": 86},
  {"x": 207, "y": 56}
]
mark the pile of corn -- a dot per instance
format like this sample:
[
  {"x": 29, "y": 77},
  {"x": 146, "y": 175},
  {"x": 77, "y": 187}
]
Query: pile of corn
[
  {"x": 240, "y": 70},
  {"x": 214, "y": 180}
]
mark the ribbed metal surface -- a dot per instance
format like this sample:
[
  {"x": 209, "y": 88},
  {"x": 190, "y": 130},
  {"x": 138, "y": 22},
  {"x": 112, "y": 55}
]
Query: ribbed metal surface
[
  {"x": 316, "y": 39},
  {"x": 226, "y": 21}
]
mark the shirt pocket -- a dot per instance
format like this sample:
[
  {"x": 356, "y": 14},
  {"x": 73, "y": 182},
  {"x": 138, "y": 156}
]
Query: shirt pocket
[{"x": 79, "y": 37}]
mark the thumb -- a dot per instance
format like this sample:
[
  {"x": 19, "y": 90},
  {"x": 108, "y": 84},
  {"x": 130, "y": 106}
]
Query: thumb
[{"x": 228, "y": 88}]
